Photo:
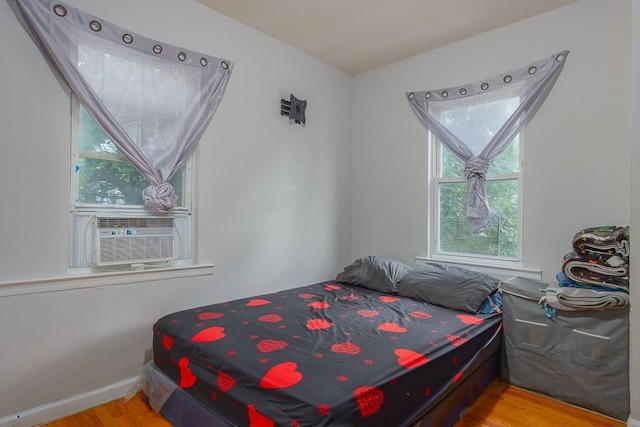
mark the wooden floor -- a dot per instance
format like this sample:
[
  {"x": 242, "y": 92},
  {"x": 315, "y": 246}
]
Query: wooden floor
[{"x": 500, "y": 405}]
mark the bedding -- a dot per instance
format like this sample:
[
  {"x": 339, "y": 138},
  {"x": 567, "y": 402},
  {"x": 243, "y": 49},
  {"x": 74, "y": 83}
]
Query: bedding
[
  {"x": 596, "y": 270},
  {"x": 324, "y": 354},
  {"x": 372, "y": 272},
  {"x": 602, "y": 240},
  {"x": 577, "y": 299},
  {"x": 449, "y": 286}
]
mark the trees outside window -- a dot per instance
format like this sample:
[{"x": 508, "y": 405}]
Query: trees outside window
[
  {"x": 453, "y": 235},
  {"x": 105, "y": 176}
]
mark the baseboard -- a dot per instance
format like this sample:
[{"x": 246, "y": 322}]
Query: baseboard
[
  {"x": 633, "y": 423},
  {"x": 68, "y": 406}
]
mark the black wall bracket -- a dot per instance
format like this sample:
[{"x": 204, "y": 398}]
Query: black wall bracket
[{"x": 295, "y": 109}]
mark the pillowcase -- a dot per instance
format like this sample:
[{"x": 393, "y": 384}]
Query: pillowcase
[
  {"x": 372, "y": 272},
  {"x": 448, "y": 286}
]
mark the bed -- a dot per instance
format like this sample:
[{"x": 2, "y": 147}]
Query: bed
[{"x": 337, "y": 353}]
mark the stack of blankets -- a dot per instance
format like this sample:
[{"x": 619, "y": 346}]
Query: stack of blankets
[{"x": 595, "y": 274}]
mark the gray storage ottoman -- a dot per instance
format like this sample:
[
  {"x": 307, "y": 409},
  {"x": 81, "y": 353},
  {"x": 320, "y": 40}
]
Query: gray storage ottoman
[{"x": 579, "y": 357}]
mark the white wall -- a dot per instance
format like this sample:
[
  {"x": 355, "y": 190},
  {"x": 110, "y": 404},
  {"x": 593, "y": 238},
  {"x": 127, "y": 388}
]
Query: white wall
[
  {"x": 576, "y": 150},
  {"x": 273, "y": 202}
]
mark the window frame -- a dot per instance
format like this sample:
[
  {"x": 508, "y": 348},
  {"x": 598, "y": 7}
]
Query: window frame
[
  {"x": 184, "y": 215},
  {"x": 436, "y": 148}
]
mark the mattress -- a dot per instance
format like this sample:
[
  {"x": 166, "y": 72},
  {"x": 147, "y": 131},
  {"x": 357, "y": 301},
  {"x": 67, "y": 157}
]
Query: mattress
[{"x": 323, "y": 354}]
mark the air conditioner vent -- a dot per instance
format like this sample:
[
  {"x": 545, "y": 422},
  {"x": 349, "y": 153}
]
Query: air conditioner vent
[
  {"x": 137, "y": 222},
  {"x": 132, "y": 240}
]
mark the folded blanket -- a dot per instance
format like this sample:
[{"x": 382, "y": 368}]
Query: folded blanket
[
  {"x": 586, "y": 270},
  {"x": 565, "y": 282},
  {"x": 573, "y": 299},
  {"x": 603, "y": 240}
]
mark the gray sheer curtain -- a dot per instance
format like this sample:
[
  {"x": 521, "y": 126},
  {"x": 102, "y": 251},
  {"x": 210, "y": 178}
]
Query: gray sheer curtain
[
  {"x": 476, "y": 122},
  {"x": 154, "y": 100}
]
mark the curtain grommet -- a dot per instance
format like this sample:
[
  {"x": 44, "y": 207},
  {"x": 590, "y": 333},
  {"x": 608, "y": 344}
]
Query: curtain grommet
[
  {"x": 427, "y": 95},
  {"x": 484, "y": 86},
  {"x": 507, "y": 79},
  {"x": 203, "y": 62},
  {"x": 127, "y": 38},
  {"x": 532, "y": 70},
  {"x": 157, "y": 49},
  {"x": 560, "y": 57},
  {"x": 411, "y": 95},
  {"x": 95, "y": 26},
  {"x": 444, "y": 94},
  {"x": 60, "y": 10},
  {"x": 224, "y": 65},
  {"x": 182, "y": 56},
  {"x": 463, "y": 91}
]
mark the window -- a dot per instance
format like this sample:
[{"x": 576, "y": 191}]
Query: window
[
  {"x": 104, "y": 181},
  {"x": 452, "y": 235},
  {"x": 155, "y": 100}
]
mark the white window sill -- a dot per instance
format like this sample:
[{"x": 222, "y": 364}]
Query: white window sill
[
  {"x": 497, "y": 270},
  {"x": 85, "y": 278}
]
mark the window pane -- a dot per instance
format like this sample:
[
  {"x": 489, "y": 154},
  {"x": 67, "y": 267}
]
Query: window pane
[
  {"x": 92, "y": 138},
  {"x": 450, "y": 166},
  {"x": 508, "y": 161},
  {"x": 500, "y": 238},
  {"x": 109, "y": 182},
  {"x": 107, "y": 177}
]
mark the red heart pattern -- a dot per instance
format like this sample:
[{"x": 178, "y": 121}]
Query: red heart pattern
[
  {"x": 346, "y": 348},
  {"x": 167, "y": 342},
  {"x": 386, "y": 298},
  {"x": 369, "y": 399},
  {"x": 211, "y": 334},
  {"x": 456, "y": 340},
  {"x": 314, "y": 324},
  {"x": 391, "y": 327},
  {"x": 256, "y": 419},
  {"x": 258, "y": 302},
  {"x": 187, "y": 378},
  {"x": 270, "y": 318},
  {"x": 282, "y": 375},
  {"x": 332, "y": 287},
  {"x": 318, "y": 304},
  {"x": 368, "y": 313},
  {"x": 267, "y": 346},
  {"x": 409, "y": 358},
  {"x": 207, "y": 315},
  {"x": 225, "y": 382},
  {"x": 469, "y": 320}
]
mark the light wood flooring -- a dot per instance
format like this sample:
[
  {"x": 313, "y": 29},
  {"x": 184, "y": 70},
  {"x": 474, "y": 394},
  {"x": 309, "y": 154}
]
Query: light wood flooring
[{"x": 500, "y": 405}]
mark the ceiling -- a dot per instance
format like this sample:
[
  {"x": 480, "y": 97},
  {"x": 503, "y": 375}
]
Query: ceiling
[{"x": 360, "y": 35}]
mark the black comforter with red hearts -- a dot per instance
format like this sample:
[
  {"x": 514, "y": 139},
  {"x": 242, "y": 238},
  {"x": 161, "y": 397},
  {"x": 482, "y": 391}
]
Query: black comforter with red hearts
[{"x": 319, "y": 355}]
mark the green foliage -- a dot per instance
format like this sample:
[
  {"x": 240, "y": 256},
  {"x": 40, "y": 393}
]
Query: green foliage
[
  {"x": 500, "y": 238},
  {"x": 105, "y": 176}
]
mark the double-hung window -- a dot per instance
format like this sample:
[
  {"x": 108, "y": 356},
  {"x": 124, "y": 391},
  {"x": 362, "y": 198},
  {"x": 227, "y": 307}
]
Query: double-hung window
[
  {"x": 103, "y": 181},
  {"x": 451, "y": 234},
  {"x": 479, "y": 174}
]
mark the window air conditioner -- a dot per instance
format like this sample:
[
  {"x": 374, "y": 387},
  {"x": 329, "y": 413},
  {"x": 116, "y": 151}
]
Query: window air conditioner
[{"x": 132, "y": 240}]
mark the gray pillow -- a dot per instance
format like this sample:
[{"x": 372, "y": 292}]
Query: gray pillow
[
  {"x": 448, "y": 286},
  {"x": 372, "y": 272}
]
